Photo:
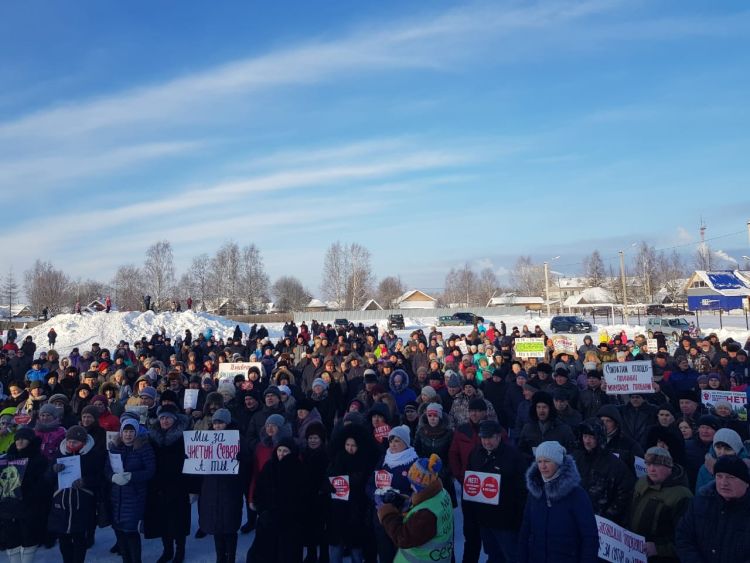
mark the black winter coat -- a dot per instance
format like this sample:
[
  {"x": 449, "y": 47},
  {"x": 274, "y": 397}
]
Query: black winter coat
[
  {"x": 21, "y": 520},
  {"x": 220, "y": 501},
  {"x": 607, "y": 481},
  {"x": 714, "y": 530},
  {"x": 168, "y": 493}
]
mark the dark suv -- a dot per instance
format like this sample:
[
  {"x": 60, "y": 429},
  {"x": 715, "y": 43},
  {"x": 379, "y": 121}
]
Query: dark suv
[
  {"x": 395, "y": 321},
  {"x": 570, "y": 324},
  {"x": 469, "y": 318}
]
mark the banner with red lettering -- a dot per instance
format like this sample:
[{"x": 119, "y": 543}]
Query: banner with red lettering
[
  {"x": 212, "y": 452},
  {"x": 625, "y": 378},
  {"x": 619, "y": 545},
  {"x": 340, "y": 484}
]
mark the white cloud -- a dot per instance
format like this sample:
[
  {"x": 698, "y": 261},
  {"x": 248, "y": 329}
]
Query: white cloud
[{"x": 724, "y": 256}]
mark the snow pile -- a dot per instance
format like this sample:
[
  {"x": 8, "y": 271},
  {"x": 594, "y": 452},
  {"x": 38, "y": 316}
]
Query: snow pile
[{"x": 81, "y": 331}]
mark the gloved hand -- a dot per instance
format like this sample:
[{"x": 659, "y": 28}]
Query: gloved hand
[
  {"x": 121, "y": 479},
  {"x": 57, "y": 467},
  {"x": 193, "y": 498},
  {"x": 78, "y": 484}
]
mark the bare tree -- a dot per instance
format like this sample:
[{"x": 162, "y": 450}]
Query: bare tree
[
  {"x": 594, "y": 270},
  {"x": 90, "y": 290},
  {"x": 254, "y": 280},
  {"x": 389, "y": 289},
  {"x": 360, "y": 279},
  {"x": 10, "y": 291},
  {"x": 335, "y": 274},
  {"x": 645, "y": 268},
  {"x": 196, "y": 282},
  {"x": 527, "y": 278},
  {"x": 487, "y": 286},
  {"x": 47, "y": 287},
  {"x": 290, "y": 294},
  {"x": 128, "y": 288},
  {"x": 461, "y": 286},
  {"x": 703, "y": 259},
  {"x": 672, "y": 272},
  {"x": 158, "y": 272}
]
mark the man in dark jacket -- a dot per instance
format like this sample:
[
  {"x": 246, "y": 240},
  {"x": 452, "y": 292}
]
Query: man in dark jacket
[
  {"x": 603, "y": 475},
  {"x": 626, "y": 448},
  {"x": 637, "y": 417},
  {"x": 593, "y": 397},
  {"x": 544, "y": 426},
  {"x": 499, "y": 523},
  {"x": 698, "y": 446},
  {"x": 272, "y": 400},
  {"x": 716, "y": 526}
]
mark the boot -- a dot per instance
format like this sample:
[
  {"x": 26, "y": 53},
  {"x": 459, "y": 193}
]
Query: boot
[
  {"x": 200, "y": 534},
  {"x": 14, "y": 555},
  {"x": 179, "y": 552},
  {"x": 231, "y": 548},
  {"x": 27, "y": 554},
  {"x": 167, "y": 552}
]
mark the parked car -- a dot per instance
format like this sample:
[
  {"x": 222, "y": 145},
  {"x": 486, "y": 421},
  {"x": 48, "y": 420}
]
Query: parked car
[
  {"x": 662, "y": 310},
  {"x": 674, "y": 326},
  {"x": 450, "y": 320},
  {"x": 470, "y": 318},
  {"x": 570, "y": 323},
  {"x": 395, "y": 321},
  {"x": 343, "y": 323}
]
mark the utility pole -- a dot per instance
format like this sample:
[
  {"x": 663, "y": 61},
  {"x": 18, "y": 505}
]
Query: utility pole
[
  {"x": 624, "y": 288},
  {"x": 546, "y": 284}
]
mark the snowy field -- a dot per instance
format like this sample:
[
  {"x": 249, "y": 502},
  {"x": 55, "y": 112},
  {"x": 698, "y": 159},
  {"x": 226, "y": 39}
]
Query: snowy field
[{"x": 109, "y": 328}]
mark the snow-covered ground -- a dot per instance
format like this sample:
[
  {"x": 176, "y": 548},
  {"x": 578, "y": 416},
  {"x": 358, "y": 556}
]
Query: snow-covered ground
[{"x": 109, "y": 328}]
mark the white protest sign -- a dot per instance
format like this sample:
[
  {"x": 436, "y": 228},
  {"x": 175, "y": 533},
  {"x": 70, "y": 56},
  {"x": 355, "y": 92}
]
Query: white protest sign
[
  {"x": 211, "y": 452},
  {"x": 529, "y": 347},
  {"x": 190, "y": 400},
  {"x": 640, "y": 467},
  {"x": 736, "y": 400},
  {"x": 619, "y": 545},
  {"x": 463, "y": 347},
  {"x": 115, "y": 462},
  {"x": 340, "y": 484},
  {"x": 653, "y": 345},
  {"x": 71, "y": 471},
  {"x": 111, "y": 438},
  {"x": 228, "y": 370},
  {"x": 564, "y": 344},
  {"x": 624, "y": 378},
  {"x": 482, "y": 487}
]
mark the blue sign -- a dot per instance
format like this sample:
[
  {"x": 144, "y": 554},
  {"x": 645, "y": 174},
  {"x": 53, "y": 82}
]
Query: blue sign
[{"x": 714, "y": 302}]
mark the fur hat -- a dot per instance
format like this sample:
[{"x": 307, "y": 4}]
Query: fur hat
[
  {"x": 424, "y": 472},
  {"x": 477, "y": 404},
  {"x": 77, "y": 433},
  {"x": 25, "y": 433},
  {"x": 729, "y": 464},
  {"x": 169, "y": 411},
  {"x": 659, "y": 456}
]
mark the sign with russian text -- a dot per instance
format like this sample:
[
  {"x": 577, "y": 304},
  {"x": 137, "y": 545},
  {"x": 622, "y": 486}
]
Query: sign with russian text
[
  {"x": 482, "y": 487},
  {"x": 381, "y": 432},
  {"x": 619, "y": 545},
  {"x": 212, "y": 452},
  {"x": 190, "y": 400},
  {"x": 383, "y": 479},
  {"x": 564, "y": 345},
  {"x": 227, "y": 370},
  {"x": 736, "y": 400},
  {"x": 529, "y": 347},
  {"x": 340, "y": 484},
  {"x": 625, "y": 378}
]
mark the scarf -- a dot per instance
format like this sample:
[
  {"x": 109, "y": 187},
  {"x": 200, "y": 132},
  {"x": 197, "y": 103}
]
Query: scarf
[{"x": 402, "y": 458}]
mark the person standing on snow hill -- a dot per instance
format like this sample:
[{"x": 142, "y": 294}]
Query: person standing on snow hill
[
  {"x": 51, "y": 337},
  {"x": 558, "y": 522},
  {"x": 425, "y": 532}
]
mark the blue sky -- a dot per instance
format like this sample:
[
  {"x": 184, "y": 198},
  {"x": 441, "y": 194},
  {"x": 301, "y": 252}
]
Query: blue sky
[{"x": 433, "y": 133}]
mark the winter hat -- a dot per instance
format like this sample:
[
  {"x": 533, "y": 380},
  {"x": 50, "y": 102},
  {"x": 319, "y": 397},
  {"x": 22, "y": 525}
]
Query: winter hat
[
  {"x": 659, "y": 456},
  {"x": 51, "y": 410},
  {"x": 320, "y": 381},
  {"x": 720, "y": 404},
  {"x": 428, "y": 392},
  {"x": 316, "y": 429},
  {"x": 276, "y": 420},
  {"x": 730, "y": 464},
  {"x": 227, "y": 390},
  {"x": 59, "y": 397},
  {"x": 411, "y": 406},
  {"x": 709, "y": 420},
  {"x": 371, "y": 376},
  {"x": 25, "y": 433},
  {"x": 223, "y": 415},
  {"x": 148, "y": 392},
  {"x": 305, "y": 404},
  {"x": 92, "y": 410},
  {"x": 488, "y": 428},
  {"x": 436, "y": 408},
  {"x": 690, "y": 395},
  {"x": 402, "y": 433},
  {"x": 589, "y": 366},
  {"x": 35, "y": 385},
  {"x": 355, "y": 418},
  {"x": 477, "y": 404},
  {"x": 272, "y": 390},
  {"x": 453, "y": 379},
  {"x": 730, "y": 438},
  {"x": 128, "y": 422},
  {"x": 169, "y": 411},
  {"x": 77, "y": 433},
  {"x": 552, "y": 451},
  {"x": 167, "y": 396},
  {"x": 435, "y": 376},
  {"x": 424, "y": 472}
]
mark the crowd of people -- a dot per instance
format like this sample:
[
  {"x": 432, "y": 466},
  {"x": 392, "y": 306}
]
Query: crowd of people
[{"x": 403, "y": 421}]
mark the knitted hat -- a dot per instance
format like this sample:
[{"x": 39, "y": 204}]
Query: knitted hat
[
  {"x": 488, "y": 428},
  {"x": 435, "y": 408},
  {"x": 730, "y": 438},
  {"x": 477, "y": 404},
  {"x": 92, "y": 410},
  {"x": 355, "y": 418},
  {"x": 320, "y": 381},
  {"x": 552, "y": 451},
  {"x": 148, "y": 392},
  {"x": 59, "y": 397},
  {"x": 730, "y": 464},
  {"x": 709, "y": 420},
  {"x": 428, "y": 392},
  {"x": 452, "y": 378},
  {"x": 51, "y": 410},
  {"x": 402, "y": 433},
  {"x": 411, "y": 406},
  {"x": 128, "y": 423},
  {"x": 35, "y": 385},
  {"x": 424, "y": 472},
  {"x": 223, "y": 415},
  {"x": 285, "y": 389},
  {"x": 272, "y": 390},
  {"x": 659, "y": 456},
  {"x": 25, "y": 433},
  {"x": 276, "y": 420},
  {"x": 169, "y": 411},
  {"x": 371, "y": 376},
  {"x": 77, "y": 433}
]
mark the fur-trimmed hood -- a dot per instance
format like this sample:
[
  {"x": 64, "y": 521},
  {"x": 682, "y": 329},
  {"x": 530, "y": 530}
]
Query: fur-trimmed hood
[{"x": 568, "y": 478}]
